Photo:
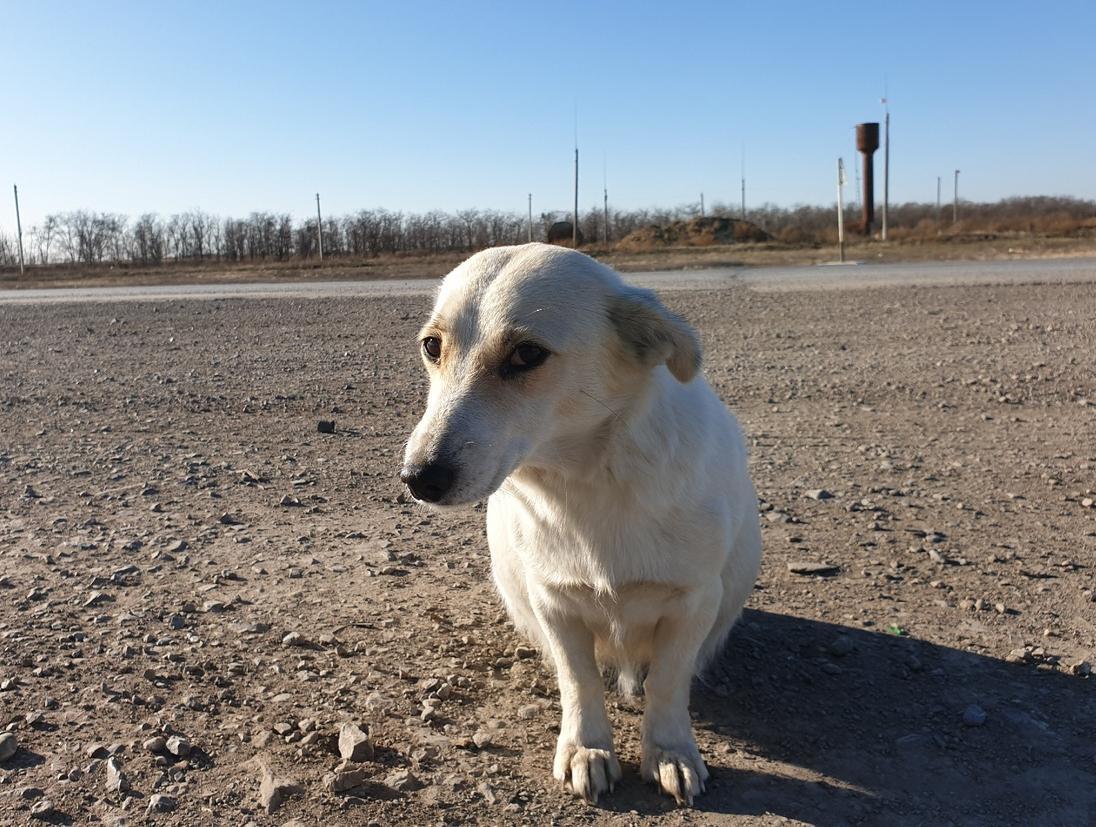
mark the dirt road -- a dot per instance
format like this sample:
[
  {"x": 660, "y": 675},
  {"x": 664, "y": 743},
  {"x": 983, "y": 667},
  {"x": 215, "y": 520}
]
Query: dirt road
[
  {"x": 197, "y": 587},
  {"x": 814, "y": 277}
]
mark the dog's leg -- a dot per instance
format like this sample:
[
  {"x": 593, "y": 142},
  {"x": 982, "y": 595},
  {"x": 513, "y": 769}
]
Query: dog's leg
[
  {"x": 670, "y": 755},
  {"x": 585, "y": 760}
]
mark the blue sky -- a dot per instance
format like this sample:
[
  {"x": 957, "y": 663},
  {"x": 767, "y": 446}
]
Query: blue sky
[{"x": 240, "y": 106}]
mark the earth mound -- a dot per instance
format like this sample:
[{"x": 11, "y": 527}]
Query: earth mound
[{"x": 696, "y": 232}]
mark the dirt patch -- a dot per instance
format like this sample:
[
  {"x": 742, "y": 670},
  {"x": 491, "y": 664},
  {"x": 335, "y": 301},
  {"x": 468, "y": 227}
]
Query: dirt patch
[
  {"x": 696, "y": 232},
  {"x": 182, "y": 553}
]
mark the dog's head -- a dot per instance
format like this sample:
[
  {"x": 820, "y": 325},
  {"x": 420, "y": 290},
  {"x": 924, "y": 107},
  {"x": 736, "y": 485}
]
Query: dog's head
[{"x": 533, "y": 352}]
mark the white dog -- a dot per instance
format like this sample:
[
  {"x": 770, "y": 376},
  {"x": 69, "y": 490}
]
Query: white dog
[{"x": 622, "y": 521}]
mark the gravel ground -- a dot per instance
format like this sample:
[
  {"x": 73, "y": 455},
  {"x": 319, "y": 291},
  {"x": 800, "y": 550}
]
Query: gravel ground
[{"x": 199, "y": 591}]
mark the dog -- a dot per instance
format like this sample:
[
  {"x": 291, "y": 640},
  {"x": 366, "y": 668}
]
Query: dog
[{"x": 621, "y": 517}]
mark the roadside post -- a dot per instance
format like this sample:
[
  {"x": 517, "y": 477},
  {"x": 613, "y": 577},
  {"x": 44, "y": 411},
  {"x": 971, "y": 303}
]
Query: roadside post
[{"x": 841, "y": 208}]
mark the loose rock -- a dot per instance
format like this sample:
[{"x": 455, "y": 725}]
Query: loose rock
[
  {"x": 354, "y": 744},
  {"x": 117, "y": 781},
  {"x": 813, "y": 569},
  {"x": 346, "y": 776},
  {"x": 974, "y": 715},
  {"x": 158, "y": 803},
  {"x": 8, "y": 745},
  {"x": 274, "y": 790},
  {"x": 178, "y": 746},
  {"x": 403, "y": 781}
]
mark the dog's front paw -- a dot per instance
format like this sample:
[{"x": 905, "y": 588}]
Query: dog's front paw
[
  {"x": 586, "y": 771},
  {"x": 678, "y": 771}
]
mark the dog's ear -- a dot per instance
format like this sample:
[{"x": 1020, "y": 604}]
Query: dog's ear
[{"x": 653, "y": 335}]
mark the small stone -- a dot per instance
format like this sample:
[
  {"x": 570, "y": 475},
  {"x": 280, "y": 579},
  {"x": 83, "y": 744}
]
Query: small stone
[
  {"x": 97, "y": 597},
  {"x": 289, "y": 501},
  {"x": 482, "y": 739},
  {"x": 818, "y": 494},
  {"x": 1023, "y": 654},
  {"x": 97, "y": 751},
  {"x": 229, "y": 519},
  {"x": 842, "y": 645},
  {"x": 178, "y": 746},
  {"x": 528, "y": 712},
  {"x": 813, "y": 569},
  {"x": 974, "y": 715},
  {"x": 8, "y": 746},
  {"x": 274, "y": 790},
  {"x": 403, "y": 781},
  {"x": 831, "y": 668},
  {"x": 30, "y": 793},
  {"x": 157, "y": 744},
  {"x": 346, "y": 777},
  {"x": 43, "y": 810},
  {"x": 1088, "y": 502},
  {"x": 354, "y": 744},
  {"x": 158, "y": 803},
  {"x": 1000, "y": 608},
  {"x": 980, "y": 605},
  {"x": 295, "y": 639},
  {"x": 524, "y": 653},
  {"x": 116, "y": 777},
  {"x": 1081, "y": 668},
  {"x": 176, "y": 546},
  {"x": 283, "y": 728},
  {"x": 326, "y": 426},
  {"x": 176, "y": 621}
]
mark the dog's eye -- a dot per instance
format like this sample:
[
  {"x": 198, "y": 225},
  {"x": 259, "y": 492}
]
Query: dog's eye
[
  {"x": 525, "y": 356},
  {"x": 431, "y": 346}
]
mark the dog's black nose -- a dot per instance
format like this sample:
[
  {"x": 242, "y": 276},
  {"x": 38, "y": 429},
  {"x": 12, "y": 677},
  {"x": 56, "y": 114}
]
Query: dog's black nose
[{"x": 428, "y": 483}]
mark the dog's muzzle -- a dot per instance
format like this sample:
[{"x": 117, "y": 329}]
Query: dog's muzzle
[{"x": 429, "y": 483}]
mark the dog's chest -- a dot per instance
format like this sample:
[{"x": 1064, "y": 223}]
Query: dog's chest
[{"x": 604, "y": 550}]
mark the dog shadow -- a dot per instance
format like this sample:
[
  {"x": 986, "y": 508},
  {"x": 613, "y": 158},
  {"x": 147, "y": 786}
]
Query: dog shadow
[{"x": 836, "y": 725}]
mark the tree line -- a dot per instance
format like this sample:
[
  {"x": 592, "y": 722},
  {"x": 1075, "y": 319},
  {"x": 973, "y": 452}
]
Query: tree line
[{"x": 85, "y": 237}]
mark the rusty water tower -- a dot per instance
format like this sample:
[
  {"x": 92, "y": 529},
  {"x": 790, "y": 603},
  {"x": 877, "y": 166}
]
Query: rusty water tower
[{"x": 867, "y": 141}]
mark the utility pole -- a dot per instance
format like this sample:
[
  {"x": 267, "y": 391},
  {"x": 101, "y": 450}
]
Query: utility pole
[
  {"x": 742, "y": 171},
  {"x": 857, "y": 192},
  {"x": 319, "y": 226},
  {"x": 605, "y": 213},
  {"x": 938, "y": 203},
  {"x": 574, "y": 224},
  {"x": 701, "y": 205},
  {"x": 841, "y": 208},
  {"x": 18, "y": 228},
  {"x": 530, "y": 218},
  {"x": 605, "y": 196},
  {"x": 955, "y": 203},
  {"x": 886, "y": 162}
]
